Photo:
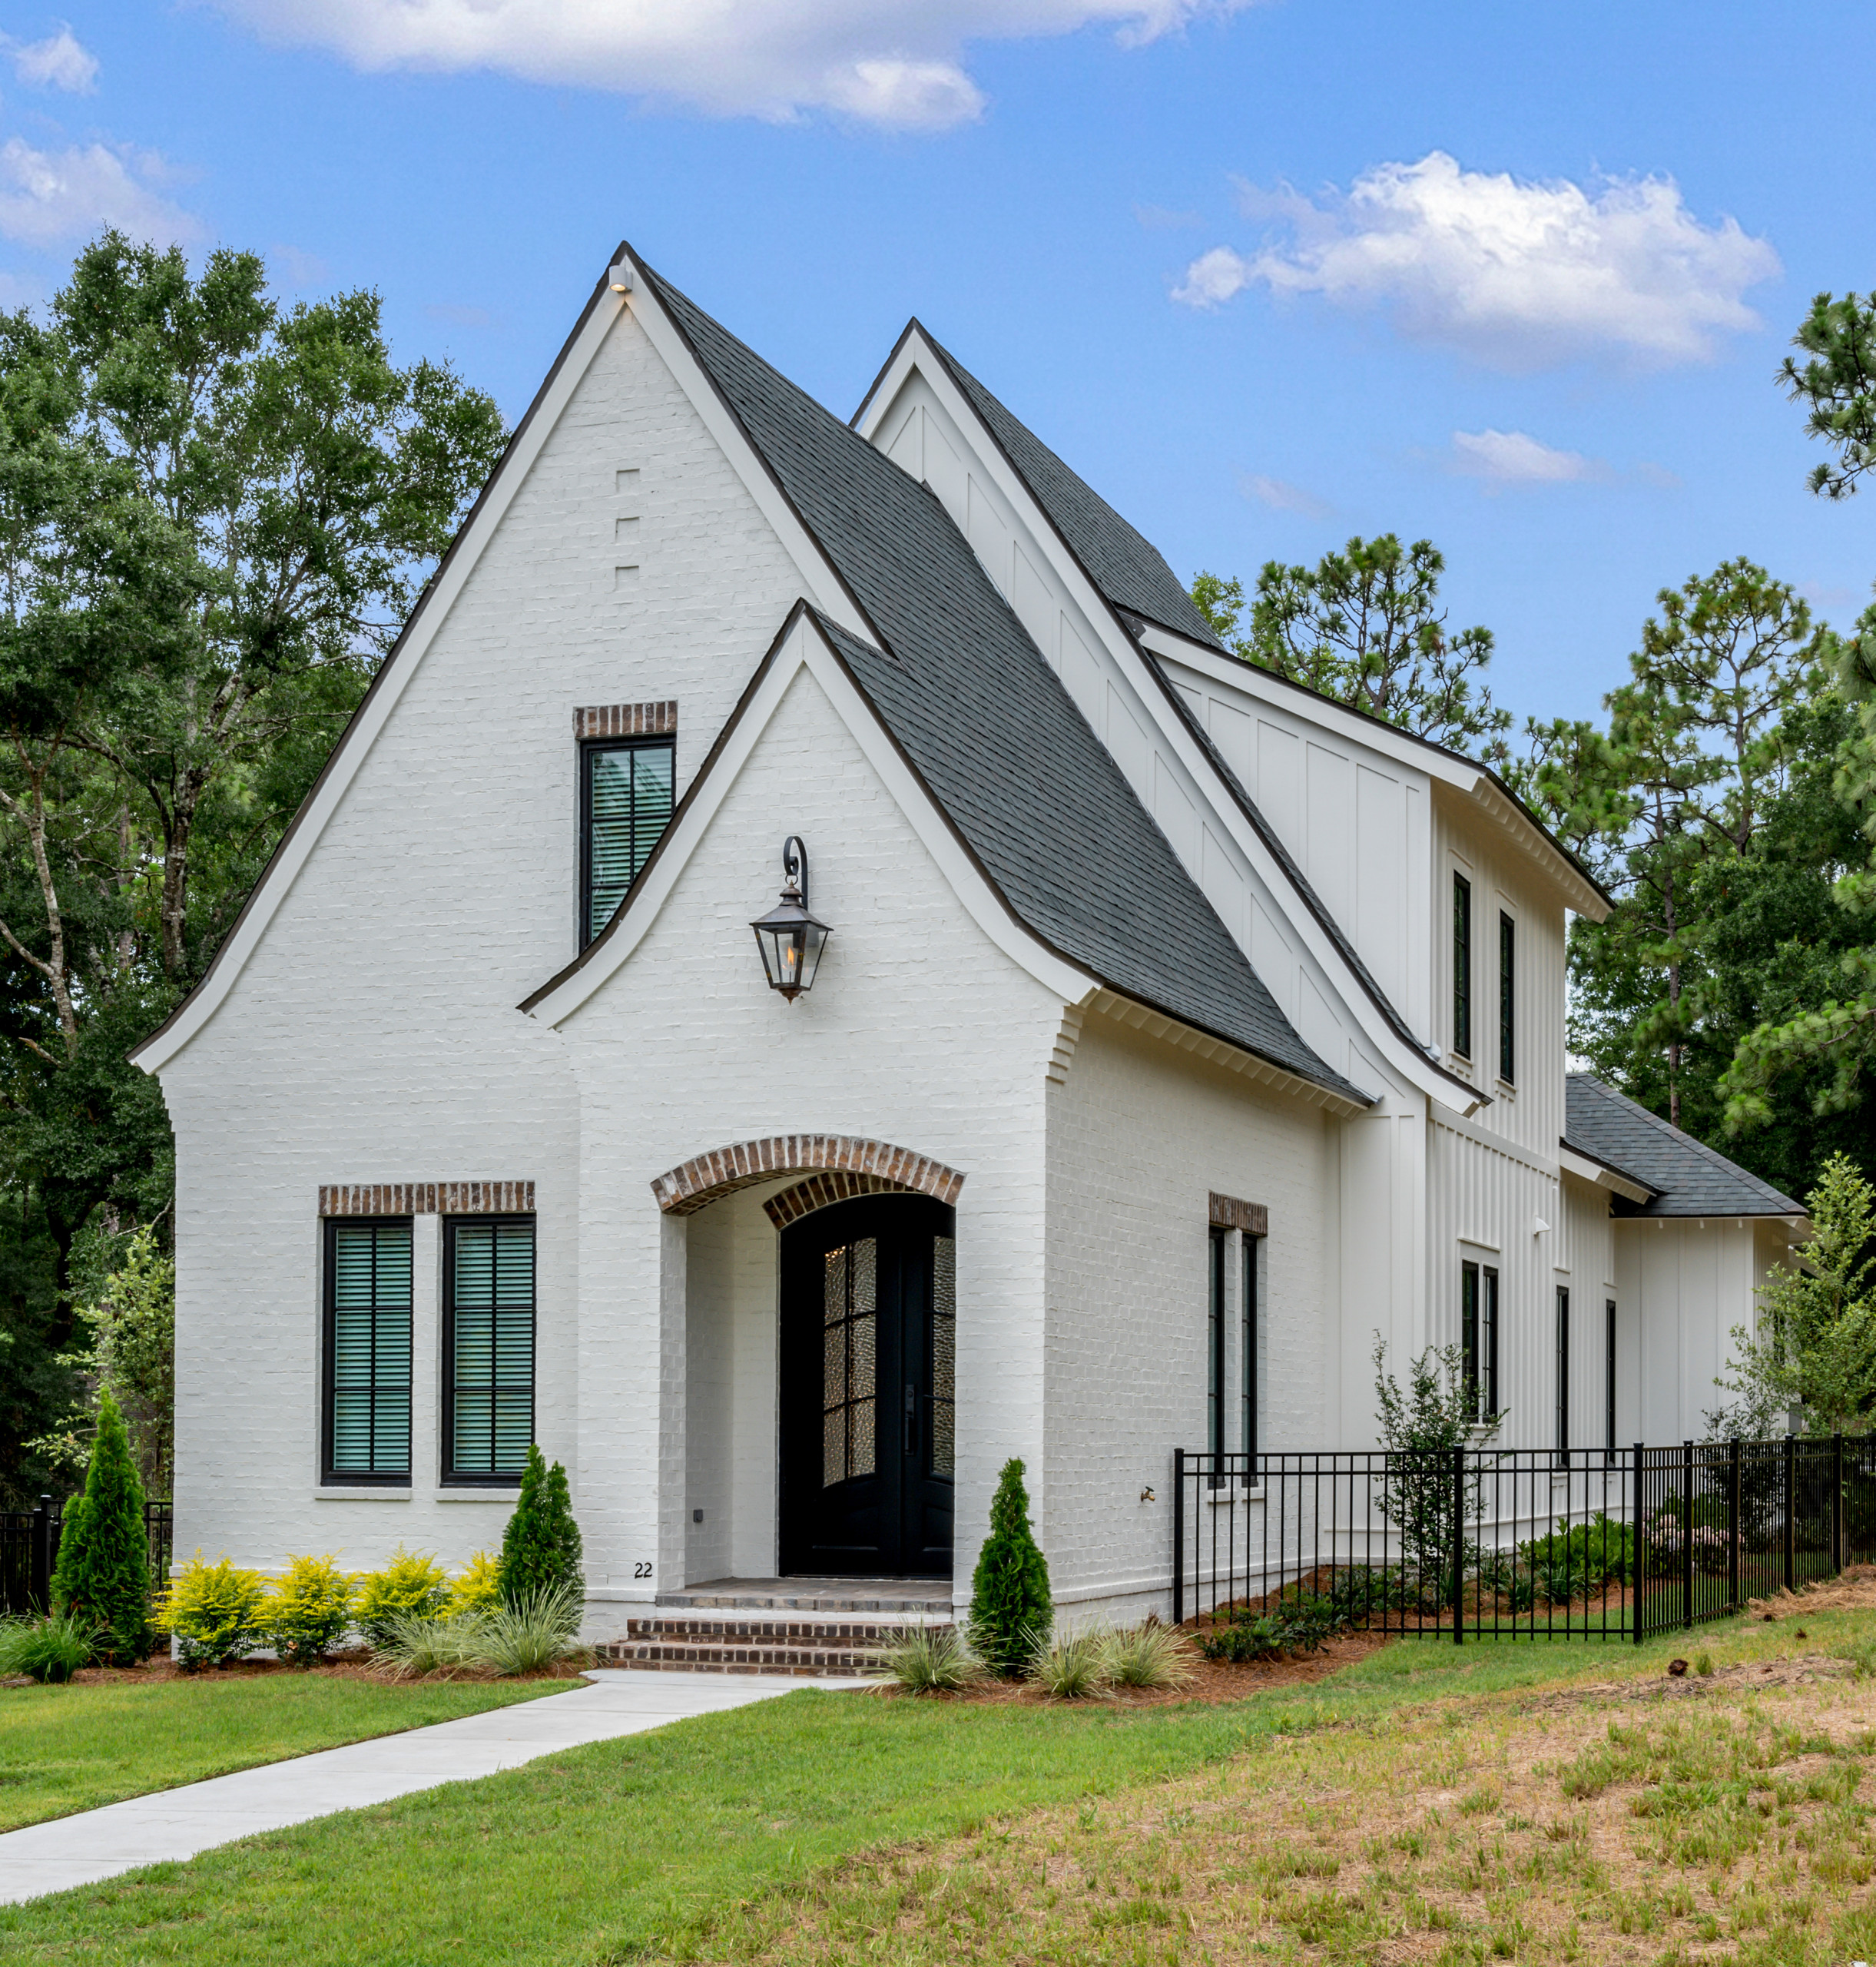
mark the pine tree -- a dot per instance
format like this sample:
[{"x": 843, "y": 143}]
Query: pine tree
[
  {"x": 104, "y": 1551},
  {"x": 1010, "y": 1605},
  {"x": 541, "y": 1547}
]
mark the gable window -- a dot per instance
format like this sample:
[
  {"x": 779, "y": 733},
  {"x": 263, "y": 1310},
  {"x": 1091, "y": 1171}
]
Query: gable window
[
  {"x": 367, "y": 1431},
  {"x": 1507, "y": 998},
  {"x": 627, "y": 793},
  {"x": 1564, "y": 1371},
  {"x": 488, "y": 1347},
  {"x": 1478, "y": 1336},
  {"x": 1462, "y": 966},
  {"x": 1214, "y": 1352}
]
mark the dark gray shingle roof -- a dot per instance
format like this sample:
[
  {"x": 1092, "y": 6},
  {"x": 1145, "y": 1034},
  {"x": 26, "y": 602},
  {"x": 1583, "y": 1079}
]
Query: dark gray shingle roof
[
  {"x": 987, "y": 723},
  {"x": 1689, "y": 1177},
  {"x": 1126, "y": 566}
]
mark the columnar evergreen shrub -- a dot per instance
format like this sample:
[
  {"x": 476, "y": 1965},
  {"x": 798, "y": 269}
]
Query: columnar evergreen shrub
[
  {"x": 410, "y": 1584},
  {"x": 1010, "y": 1605},
  {"x": 104, "y": 1550},
  {"x": 541, "y": 1547},
  {"x": 306, "y": 1612},
  {"x": 212, "y": 1610}
]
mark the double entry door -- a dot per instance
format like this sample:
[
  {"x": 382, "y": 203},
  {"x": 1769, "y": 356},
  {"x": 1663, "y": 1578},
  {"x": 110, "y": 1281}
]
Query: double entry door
[{"x": 869, "y": 1354}]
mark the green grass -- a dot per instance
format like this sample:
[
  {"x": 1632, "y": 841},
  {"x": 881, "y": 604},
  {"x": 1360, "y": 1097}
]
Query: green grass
[
  {"x": 597, "y": 1855},
  {"x": 72, "y": 1748}
]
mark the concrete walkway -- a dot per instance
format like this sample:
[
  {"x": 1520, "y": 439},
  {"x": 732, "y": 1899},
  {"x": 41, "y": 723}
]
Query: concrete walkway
[{"x": 178, "y": 1823}]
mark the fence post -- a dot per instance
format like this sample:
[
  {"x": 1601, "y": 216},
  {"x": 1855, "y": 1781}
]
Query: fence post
[
  {"x": 1791, "y": 1502},
  {"x": 39, "y": 1581},
  {"x": 1733, "y": 1493},
  {"x": 1178, "y": 1536},
  {"x": 1687, "y": 1534},
  {"x": 1837, "y": 1553},
  {"x": 1459, "y": 1547},
  {"x": 1637, "y": 1556}
]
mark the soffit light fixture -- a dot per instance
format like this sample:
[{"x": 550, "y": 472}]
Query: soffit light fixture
[{"x": 790, "y": 939}]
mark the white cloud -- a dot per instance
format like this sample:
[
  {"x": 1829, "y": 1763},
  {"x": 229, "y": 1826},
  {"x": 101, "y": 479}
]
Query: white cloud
[
  {"x": 1517, "y": 273},
  {"x": 47, "y": 197},
  {"x": 1514, "y": 457},
  {"x": 58, "y": 62},
  {"x": 1281, "y": 497},
  {"x": 896, "y": 63}
]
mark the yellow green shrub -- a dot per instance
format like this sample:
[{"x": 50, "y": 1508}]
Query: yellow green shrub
[
  {"x": 307, "y": 1611},
  {"x": 478, "y": 1588},
  {"x": 409, "y": 1585},
  {"x": 212, "y": 1610}
]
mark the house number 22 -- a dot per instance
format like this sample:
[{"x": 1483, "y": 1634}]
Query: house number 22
[{"x": 641, "y": 1570}]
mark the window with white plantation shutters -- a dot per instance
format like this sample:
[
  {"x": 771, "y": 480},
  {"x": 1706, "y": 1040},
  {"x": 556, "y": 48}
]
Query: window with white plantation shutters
[
  {"x": 488, "y": 1348},
  {"x": 627, "y": 794},
  {"x": 368, "y": 1352}
]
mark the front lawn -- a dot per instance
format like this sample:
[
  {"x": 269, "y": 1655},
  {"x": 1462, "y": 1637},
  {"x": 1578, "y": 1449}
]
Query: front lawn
[
  {"x": 72, "y": 1748},
  {"x": 601, "y": 1854}
]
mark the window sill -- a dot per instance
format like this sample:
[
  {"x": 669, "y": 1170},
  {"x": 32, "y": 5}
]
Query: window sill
[
  {"x": 1506, "y": 1090},
  {"x": 461, "y": 1492},
  {"x": 360, "y": 1492},
  {"x": 1223, "y": 1497}
]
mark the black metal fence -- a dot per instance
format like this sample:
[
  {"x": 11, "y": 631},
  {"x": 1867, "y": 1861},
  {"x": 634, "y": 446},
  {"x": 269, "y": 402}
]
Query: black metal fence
[
  {"x": 1516, "y": 1543},
  {"x": 29, "y": 1551}
]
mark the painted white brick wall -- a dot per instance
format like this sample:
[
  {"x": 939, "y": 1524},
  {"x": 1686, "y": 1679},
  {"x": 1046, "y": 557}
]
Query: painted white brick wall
[{"x": 1139, "y": 1135}]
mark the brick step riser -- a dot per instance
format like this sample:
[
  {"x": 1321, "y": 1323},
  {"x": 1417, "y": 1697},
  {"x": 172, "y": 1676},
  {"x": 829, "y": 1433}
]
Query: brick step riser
[
  {"x": 803, "y": 1660},
  {"x": 772, "y": 1632}
]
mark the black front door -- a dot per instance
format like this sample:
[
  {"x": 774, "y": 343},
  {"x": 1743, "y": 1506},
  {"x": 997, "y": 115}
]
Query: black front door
[{"x": 869, "y": 1352}]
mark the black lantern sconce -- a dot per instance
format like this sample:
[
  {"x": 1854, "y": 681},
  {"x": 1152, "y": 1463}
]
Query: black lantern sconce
[{"x": 790, "y": 939}]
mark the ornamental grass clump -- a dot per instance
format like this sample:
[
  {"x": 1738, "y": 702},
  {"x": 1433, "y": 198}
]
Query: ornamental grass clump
[
  {"x": 413, "y": 1647},
  {"x": 213, "y": 1612},
  {"x": 1149, "y": 1655},
  {"x": 307, "y": 1612},
  {"x": 409, "y": 1585},
  {"x": 103, "y": 1576},
  {"x": 532, "y": 1634},
  {"x": 541, "y": 1547},
  {"x": 50, "y": 1648},
  {"x": 1071, "y": 1666},
  {"x": 1009, "y": 1601},
  {"x": 926, "y": 1660}
]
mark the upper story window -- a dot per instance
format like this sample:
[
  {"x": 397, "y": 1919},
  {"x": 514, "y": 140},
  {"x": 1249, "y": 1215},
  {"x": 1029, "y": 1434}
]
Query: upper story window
[
  {"x": 1507, "y": 999},
  {"x": 627, "y": 793},
  {"x": 1462, "y": 966}
]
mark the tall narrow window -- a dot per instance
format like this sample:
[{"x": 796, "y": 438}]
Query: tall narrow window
[
  {"x": 367, "y": 1351},
  {"x": 944, "y": 1355},
  {"x": 1247, "y": 1338},
  {"x": 1469, "y": 1330},
  {"x": 1488, "y": 1337},
  {"x": 1478, "y": 1336},
  {"x": 1507, "y": 999},
  {"x": 1609, "y": 1368},
  {"x": 850, "y": 1353},
  {"x": 1214, "y": 1351},
  {"x": 1563, "y": 1371},
  {"x": 1462, "y": 966},
  {"x": 487, "y": 1348},
  {"x": 626, "y": 796}
]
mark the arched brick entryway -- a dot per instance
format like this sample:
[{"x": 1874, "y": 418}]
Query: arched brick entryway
[{"x": 695, "y": 1184}]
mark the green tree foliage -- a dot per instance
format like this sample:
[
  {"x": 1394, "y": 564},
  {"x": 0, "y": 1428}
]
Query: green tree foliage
[
  {"x": 1421, "y": 1424},
  {"x": 1836, "y": 383},
  {"x": 104, "y": 1549},
  {"x": 1011, "y": 1607},
  {"x": 1365, "y": 627},
  {"x": 541, "y": 1551},
  {"x": 1813, "y": 1352},
  {"x": 215, "y": 512}
]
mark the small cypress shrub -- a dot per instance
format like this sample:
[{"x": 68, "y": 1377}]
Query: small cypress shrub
[
  {"x": 1010, "y": 1605},
  {"x": 104, "y": 1550},
  {"x": 541, "y": 1547}
]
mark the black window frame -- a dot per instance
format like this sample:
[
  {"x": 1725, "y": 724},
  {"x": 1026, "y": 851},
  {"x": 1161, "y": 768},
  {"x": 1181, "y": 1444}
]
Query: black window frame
[
  {"x": 1478, "y": 1333},
  {"x": 1562, "y": 1372},
  {"x": 591, "y": 749},
  {"x": 449, "y": 1475},
  {"x": 1214, "y": 1353},
  {"x": 1248, "y": 1338},
  {"x": 1507, "y": 997},
  {"x": 332, "y": 1477},
  {"x": 1608, "y": 1344},
  {"x": 1462, "y": 966}
]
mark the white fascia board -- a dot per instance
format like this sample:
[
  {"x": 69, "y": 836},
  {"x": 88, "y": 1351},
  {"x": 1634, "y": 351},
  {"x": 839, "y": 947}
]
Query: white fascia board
[
  {"x": 1124, "y": 659},
  {"x": 1464, "y": 775},
  {"x": 806, "y": 648},
  {"x": 1587, "y": 1170},
  {"x": 356, "y": 740},
  {"x": 821, "y": 584}
]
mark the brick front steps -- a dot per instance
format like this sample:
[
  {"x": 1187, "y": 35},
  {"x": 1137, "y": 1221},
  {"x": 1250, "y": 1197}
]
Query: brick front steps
[{"x": 683, "y": 1642}]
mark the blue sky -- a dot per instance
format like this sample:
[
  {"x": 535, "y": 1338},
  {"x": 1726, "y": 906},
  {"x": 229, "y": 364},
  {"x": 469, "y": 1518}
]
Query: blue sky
[{"x": 1517, "y": 280}]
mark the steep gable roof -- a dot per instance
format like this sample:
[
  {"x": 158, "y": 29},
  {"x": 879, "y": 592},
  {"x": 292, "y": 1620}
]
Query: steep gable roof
[
  {"x": 1127, "y": 567},
  {"x": 1037, "y": 798},
  {"x": 1688, "y": 1178}
]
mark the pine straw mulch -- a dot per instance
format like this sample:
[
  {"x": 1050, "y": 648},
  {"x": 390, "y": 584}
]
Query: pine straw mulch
[{"x": 357, "y": 1664}]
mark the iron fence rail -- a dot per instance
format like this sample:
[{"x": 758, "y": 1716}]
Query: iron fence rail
[
  {"x": 29, "y": 1551},
  {"x": 1602, "y": 1543}
]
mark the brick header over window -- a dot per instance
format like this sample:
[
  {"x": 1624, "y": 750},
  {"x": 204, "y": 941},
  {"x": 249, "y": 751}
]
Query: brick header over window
[
  {"x": 1228, "y": 1212},
  {"x": 625, "y": 719},
  {"x": 427, "y": 1199},
  {"x": 708, "y": 1177},
  {"x": 819, "y": 1190}
]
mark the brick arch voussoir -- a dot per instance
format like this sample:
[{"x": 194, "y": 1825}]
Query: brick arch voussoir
[{"x": 695, "y": 1184}]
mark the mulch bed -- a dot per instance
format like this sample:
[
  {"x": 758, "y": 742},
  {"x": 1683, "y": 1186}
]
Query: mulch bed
[{"x": 354, "y": 1665}]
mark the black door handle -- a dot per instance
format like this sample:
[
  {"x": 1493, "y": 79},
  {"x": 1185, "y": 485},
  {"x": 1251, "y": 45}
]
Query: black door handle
[{"x": 912, "y": 1418}]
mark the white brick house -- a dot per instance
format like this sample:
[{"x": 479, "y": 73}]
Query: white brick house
[{"x": 1178, "y": 1032}]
